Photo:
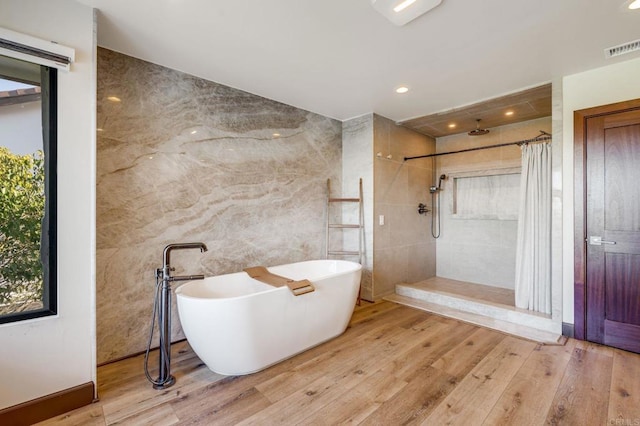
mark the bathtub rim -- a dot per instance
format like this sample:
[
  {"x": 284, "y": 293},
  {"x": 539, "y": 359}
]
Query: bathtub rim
[{"x": 179, "y": 290}]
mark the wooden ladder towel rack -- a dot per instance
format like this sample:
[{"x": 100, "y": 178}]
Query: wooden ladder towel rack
[{"x": 342, "y": 226}]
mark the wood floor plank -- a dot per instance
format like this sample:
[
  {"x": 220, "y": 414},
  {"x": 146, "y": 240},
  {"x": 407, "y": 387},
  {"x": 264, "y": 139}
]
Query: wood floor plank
[
  {"x": 343, "y": 362},
  {"x": 228, "y": 412},
  {"x": 472, "y": 400},
  {"x": 228, "y": 388},
  {"x": 358, "y": 402},
  {"x": 418, "y": 334},
  {"x": 396, "y": 316},
  {"x": 430, "y": 349},
  {"x": 583, "y": 395},
  {"x": 91, "y": 415},
  {"x": 138, "y": 395},
  {"x": 464, "y": 356},
  {"x": 280, "y": 379},
  {"x": 390, "y": 351},
  {"x": 368, "y": 311},
  {"x": 115, "y": 372},
  {"x": 157, "y": 415},
  {"x": 285, "y": 384},
  {"x": 415, "y": 401},
  {"x": 301, "y": 404},
  {"x": 393, "y": 365},
  {"x": 529, "y": 395},
  {"x": 625, "y": 389}
]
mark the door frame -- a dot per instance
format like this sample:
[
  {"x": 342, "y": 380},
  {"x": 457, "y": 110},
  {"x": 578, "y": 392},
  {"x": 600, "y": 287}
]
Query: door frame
[{"x": 580, "y": 118}]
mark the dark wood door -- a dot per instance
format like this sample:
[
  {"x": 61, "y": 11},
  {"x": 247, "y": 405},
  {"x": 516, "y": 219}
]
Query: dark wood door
[{"x": 612, "y": 219}]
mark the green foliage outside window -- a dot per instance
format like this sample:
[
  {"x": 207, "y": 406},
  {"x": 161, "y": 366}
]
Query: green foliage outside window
[{"x": 21, "y": 212}]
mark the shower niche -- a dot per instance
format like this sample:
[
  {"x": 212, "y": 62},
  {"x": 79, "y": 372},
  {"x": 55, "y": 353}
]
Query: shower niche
[{"x": 486, "y": 194}]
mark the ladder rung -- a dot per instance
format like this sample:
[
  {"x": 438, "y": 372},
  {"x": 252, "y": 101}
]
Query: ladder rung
[
  {"x": 339, "y": 225},
  {"x": 348, "y": 200},
  {"x": 344, "y": 253}
]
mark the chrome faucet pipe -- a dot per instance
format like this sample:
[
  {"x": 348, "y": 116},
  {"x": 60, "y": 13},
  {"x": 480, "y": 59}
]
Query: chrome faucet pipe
[
  {"x": 187, "y": 278},
  {"x": 165, "y": 379},
  {"x": 166, "y": 254}
]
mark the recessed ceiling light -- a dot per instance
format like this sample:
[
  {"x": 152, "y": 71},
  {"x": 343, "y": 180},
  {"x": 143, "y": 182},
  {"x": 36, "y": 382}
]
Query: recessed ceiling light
[
  {"x": 509, "y": 113},
  {"x": 113, "y": 98},
  {"x": 452, "y": 125},
  {"x": 402, "y": 89},
  {"x": 400, "y": 7},
  {"x": 193, "y": 132},
  {"x": 634, "y": 5},
  {"x": 400, "y": 12},
  {"x": 276, "y": 135}
]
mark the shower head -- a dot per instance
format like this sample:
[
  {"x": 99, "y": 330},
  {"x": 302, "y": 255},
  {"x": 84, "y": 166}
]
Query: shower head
[{"x": 478, "y": 131}]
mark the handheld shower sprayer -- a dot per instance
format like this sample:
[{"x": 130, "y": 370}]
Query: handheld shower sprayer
[
  {"x": 434, "y": 188},
  {"x": 435, "y": 204}
]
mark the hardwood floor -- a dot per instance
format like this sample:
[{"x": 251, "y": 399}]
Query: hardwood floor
[{"x": 393, "y": 366}]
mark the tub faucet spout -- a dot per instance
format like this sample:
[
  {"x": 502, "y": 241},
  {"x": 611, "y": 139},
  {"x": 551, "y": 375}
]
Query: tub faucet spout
[{"x": 166, "y": 264}]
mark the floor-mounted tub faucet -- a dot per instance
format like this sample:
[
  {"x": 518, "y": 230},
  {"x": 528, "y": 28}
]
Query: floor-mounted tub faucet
[{"x": 162, "y": 305}]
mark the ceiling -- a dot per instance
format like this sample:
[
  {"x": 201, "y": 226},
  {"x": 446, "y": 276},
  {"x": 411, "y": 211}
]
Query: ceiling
[
  {"x": 342, "y": 59},
  {"x": 521, "y": 106}
]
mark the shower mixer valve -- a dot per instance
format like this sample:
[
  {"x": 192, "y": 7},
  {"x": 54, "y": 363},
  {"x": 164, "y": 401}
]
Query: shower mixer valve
[{"x": 422, "y": 209}]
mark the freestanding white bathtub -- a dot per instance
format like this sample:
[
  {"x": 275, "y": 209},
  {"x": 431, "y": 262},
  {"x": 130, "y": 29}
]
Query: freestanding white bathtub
[{"x": 239, "y": 325}]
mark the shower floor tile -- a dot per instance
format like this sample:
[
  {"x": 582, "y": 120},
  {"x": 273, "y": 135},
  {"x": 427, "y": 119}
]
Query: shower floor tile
[
  {"x": 523, "y": 331},
  {"x": 488, "y": 306},
  {"x": 485, "y": 293}
]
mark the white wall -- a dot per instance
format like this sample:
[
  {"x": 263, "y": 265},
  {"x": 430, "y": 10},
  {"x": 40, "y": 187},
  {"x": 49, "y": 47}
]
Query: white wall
[
  {"x": 601, "y": 86},
  {"x": 43, "y": 356},
  {"x": 21, "y": 127}
]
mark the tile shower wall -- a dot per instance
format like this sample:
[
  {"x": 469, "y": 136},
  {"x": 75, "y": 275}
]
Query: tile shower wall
[
  {"x": 357, "y": 163},
  {"x": 183, "y": 159},
  {"x": 404, "y": 250},
  {"x": 481, "y": 250}
]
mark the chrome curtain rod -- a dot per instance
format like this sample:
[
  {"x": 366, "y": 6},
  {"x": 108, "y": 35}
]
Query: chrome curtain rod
[{"x": 542, "y": 137}]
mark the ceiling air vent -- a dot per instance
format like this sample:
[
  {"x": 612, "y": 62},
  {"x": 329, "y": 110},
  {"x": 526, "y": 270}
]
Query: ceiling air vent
[{"x": 622, "y": 49}]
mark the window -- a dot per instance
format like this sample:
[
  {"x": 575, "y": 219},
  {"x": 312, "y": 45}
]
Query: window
[{"x": 28, "y": 121}]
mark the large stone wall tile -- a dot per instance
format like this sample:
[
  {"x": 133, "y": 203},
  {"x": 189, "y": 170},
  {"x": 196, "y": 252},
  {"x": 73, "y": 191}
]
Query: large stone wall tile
[{"x": 183, "y": 159}]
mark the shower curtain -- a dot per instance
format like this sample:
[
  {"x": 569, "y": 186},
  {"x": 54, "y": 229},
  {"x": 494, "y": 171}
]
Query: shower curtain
[{"x": 533, "y": 248}]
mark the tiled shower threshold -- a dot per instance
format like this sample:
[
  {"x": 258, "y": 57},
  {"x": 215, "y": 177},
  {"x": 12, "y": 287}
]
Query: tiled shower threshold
[{"x": 487, "y": 306}]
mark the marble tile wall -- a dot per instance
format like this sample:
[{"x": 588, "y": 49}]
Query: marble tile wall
[
  {"x": 404, "y": 250},
  {"x": 184, "y": 159},
  {"x": 357, "y": 163},
  {"x": 480, "y": 250}
]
